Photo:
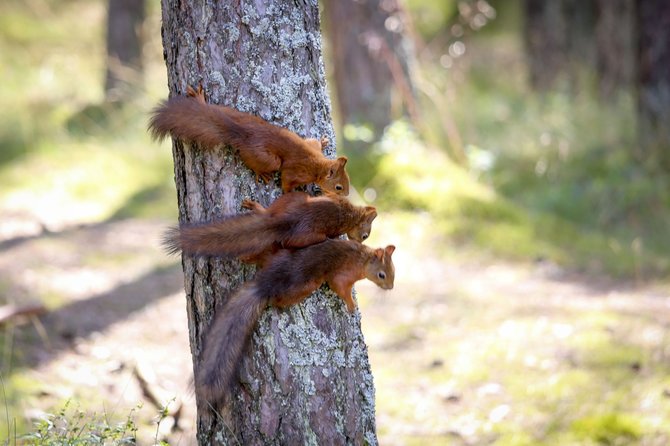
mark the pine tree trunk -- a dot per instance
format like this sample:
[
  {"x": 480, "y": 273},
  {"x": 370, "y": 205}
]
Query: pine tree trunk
[
  {"x": 545, "y": 39},
  {"x": 124, "y": 48},
  {"x": 653, "y": 82},
  {"x": 306, "y": 377},
  {"x": 614, "y": 40},
  {"x": 559, "y": 41},
  {"x": 370, "y": 63}
]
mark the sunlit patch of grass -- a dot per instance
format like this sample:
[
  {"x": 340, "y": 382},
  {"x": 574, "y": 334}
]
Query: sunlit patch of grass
[
  {"x": 414, "y": 177},
  {"x": 88, "y": 181},
  {"x": 608, "y": 428},
  {"x": 68, "y": 149}
]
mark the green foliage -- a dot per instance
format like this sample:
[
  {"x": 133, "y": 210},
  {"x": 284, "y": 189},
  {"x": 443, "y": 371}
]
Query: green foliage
[
  {"x": 608, "y": 429},
  {"x": 469, "y": 211},
  {"x": 526, "y": 176},
  {"x": 72, "y": 426},
  {"x": 432, "y": 17},
  {"x": 61, "y": 148}
]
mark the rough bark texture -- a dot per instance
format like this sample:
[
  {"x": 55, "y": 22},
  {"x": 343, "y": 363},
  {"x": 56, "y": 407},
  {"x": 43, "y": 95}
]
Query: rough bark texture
[
  {"x": 306, "y": 377},
  {"x": 371, "y": 64},
  {"x": 124, "y": 48},
  {"x": 653, "y": 81}
]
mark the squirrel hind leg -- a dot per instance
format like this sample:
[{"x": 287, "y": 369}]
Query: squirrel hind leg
[
  {"x": 303, "y": 240},
  {"x": 262, "y": 162}
]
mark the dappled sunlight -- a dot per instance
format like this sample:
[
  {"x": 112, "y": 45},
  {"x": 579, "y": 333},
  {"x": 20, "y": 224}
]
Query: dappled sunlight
[
  {"x": 485, "y": 349},
  {"x": 531, "y": 303}
]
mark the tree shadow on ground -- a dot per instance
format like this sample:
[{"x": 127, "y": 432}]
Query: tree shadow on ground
[{"x": 82, "y": 318}]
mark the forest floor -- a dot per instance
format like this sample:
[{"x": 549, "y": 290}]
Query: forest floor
[{"x": 465, "y": 350}]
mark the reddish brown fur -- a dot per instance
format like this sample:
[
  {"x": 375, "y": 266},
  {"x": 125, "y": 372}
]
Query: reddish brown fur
[
  {"x": 265, "y": 148},
  {"x": 288, "y": 278},
  {"x": 294, "y": 220}
]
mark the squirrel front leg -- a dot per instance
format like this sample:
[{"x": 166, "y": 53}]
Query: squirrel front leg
[
  {"x": 342, "y": 287},
  {"x": 198, "y": 95},
  {"x": 253, "y": 206}
]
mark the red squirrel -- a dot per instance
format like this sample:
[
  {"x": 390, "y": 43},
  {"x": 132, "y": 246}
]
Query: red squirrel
[
  {"x": 294, "y": 220},
  {"x": 265, "y": 148},
  {"x": 287, "y": 278}
]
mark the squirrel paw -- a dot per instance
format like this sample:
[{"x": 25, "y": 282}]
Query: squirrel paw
[
  {"x": 324, "y": 142},
  {"x": 252, "y": 205},
  {"x": 264, "y": 177},
  {"x": 198, "y": 94}
]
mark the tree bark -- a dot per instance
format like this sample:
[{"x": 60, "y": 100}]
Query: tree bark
[
  {"x": 370, "y": 64},
  {"x": 653, "y": 82},
  {"x": 306, "y": 377},
  {"x": 124, "y": 48}
]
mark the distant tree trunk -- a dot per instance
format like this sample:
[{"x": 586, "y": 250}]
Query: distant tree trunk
[
  {"x": 653, "y": 81},
  {"x": 614, "y": 41},
  {"x": 306, "y": 377},
  {"x": 559, "y": 42},
  {"x": 124, "y": 48},
  {"x": 546, "y": 42},
  {"x": 371, "y": 64}
]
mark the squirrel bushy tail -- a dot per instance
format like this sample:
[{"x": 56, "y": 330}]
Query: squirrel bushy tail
[
  {"x": 225, "y": 343},
  {"x": 239, "y": 235},
  {"x": 190, "y": 119}
]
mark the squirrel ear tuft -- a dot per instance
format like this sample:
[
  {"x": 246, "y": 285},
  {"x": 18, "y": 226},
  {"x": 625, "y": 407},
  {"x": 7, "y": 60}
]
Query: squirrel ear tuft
[
  {"x": 389, "y": 250},
  {"x": 379, "y": 253},
  {"x": 341, "y": 161},
  {"x": 371, "y": 212}
]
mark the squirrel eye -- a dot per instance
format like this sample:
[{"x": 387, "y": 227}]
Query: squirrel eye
[
  {"x": 338, "y": 187},
  {"x": 381, "y": 275},
  {"x": 364, "y": 236}
]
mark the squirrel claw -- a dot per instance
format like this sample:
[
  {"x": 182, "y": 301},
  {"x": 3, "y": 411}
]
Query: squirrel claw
[
  {"x": 248, "y": 204},
  {"x": 264, "y": 177},
  {"x": 198, "y": 94}
]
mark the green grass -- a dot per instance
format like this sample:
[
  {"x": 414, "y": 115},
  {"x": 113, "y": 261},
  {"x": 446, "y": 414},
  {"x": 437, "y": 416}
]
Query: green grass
[{"x": 471, "y": 212}]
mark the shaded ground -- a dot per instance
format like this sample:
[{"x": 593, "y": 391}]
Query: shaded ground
[{"x": 464, "y": 351}]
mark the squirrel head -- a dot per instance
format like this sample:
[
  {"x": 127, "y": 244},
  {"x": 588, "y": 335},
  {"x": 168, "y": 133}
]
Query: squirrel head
[
  {"x": 363, "y": 228},
  {"x": 337, "y": 179},
  {"x": 380, "y": 269}
]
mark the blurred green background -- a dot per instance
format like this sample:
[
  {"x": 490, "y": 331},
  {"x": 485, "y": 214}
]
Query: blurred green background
[{"x": 502, "y": 156}]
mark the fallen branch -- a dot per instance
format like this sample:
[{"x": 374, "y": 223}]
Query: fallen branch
[{"x": 9, "y": 313}]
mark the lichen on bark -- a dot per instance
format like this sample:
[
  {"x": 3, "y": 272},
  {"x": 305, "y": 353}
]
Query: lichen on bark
[{"x": 306, "y": 377}]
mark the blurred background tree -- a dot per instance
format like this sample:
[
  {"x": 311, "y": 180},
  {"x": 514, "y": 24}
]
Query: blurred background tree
[
  {"x": 653, "y": 82},
  {"x": 371, "y": 55},
  {"x": 125, "y": 40}
]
